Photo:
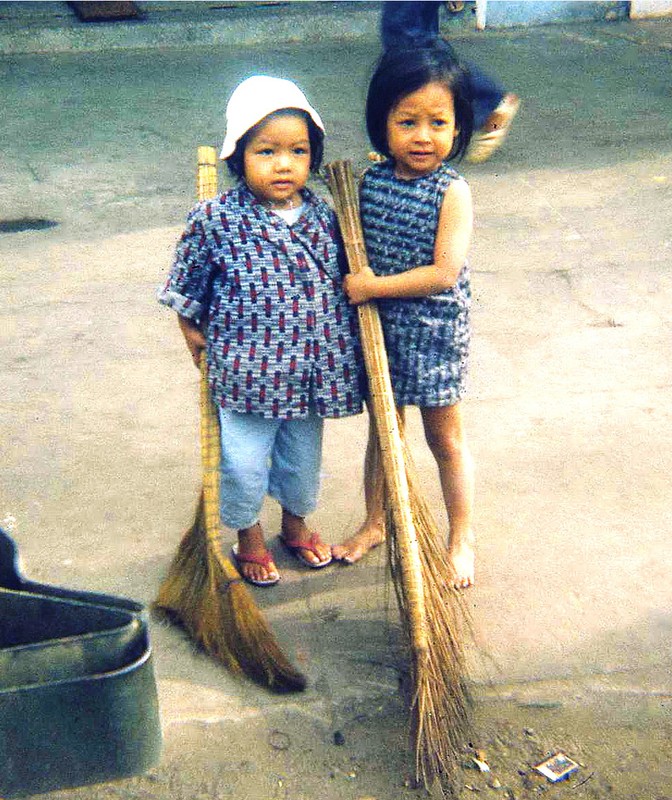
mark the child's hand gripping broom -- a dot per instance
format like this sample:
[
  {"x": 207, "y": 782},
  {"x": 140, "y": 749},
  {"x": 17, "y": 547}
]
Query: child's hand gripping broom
[
  {"x": 431, "y": 610},
  {"x": 203, "y": 588}
]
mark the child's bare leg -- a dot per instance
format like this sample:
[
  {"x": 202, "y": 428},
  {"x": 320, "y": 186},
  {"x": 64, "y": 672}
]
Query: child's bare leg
[
  {"x": 251, "y": 543},
  {"x": 372, "y": 531},
  {"x": 445, "y": 436},
  {"x": 294, "y": 529}
]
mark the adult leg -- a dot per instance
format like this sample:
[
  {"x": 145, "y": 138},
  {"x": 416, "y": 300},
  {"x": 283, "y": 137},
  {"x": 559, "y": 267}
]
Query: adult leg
[
  {"x": 494, "y": 110},
  {"x": 412, "y": 23},
  {"x": 294, "y": 481},
  {"x": 403, "y": 22},
  {"x": 444, "y": 432},
  {"x": 372, "y": 531},
  {"x": 246, "y": 443},
  {"x": 487, "y": 94}
]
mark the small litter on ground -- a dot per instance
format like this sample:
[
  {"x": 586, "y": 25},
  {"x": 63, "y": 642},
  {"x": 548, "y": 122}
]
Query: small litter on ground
[{"x": 557, "y": 767}]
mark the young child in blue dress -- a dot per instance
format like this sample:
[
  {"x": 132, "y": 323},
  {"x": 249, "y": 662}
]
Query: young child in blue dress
[
  {"x": 417, "y": 219},
  {"x": 257, "y": 283}
]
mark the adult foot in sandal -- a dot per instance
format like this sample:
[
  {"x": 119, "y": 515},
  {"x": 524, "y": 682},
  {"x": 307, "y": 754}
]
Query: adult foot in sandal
[
  {"x": 370, "y": 535},
  {"x": 490, "y": 137},
  {"x": 306, "y": 545},
  {"x": 253, "y": 560}
]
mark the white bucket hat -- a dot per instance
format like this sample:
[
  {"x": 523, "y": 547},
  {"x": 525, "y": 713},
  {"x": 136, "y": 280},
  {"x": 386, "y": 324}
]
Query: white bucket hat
[{"x": 256, "y": 98}]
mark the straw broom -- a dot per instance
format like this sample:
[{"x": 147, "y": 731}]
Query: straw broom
[
  {"x": 203, "y": 589},
  {"x": 432, "y": 611}
]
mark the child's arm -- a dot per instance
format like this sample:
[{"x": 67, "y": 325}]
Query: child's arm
[
  {"x": 450, "y": 251},
  {"x": 193, "y": 336},
  {"x": 188, "y": 286}
]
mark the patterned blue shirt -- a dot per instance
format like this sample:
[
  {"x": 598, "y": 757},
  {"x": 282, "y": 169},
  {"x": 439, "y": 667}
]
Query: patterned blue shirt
[{"x": 281, "y": 336}]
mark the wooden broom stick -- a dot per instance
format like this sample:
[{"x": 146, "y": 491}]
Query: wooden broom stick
[
  {"x": 203, "y": 588},
  {"x": 384, "y": 410}
]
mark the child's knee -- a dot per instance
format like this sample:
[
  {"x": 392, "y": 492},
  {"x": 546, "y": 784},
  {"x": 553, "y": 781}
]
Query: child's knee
[{"x": 446, "y": 442}]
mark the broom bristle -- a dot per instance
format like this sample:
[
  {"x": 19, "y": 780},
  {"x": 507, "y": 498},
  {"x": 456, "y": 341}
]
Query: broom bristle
[
  {"x": 204, "y": 592},
  {"x": 441, "y": 705},
  {"x": 230, "y": 621},
  {"x": 188, "y": 571}
]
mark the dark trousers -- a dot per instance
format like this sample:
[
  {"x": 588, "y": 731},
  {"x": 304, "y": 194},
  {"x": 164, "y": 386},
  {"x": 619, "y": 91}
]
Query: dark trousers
[{"x": 403, "y": 22}]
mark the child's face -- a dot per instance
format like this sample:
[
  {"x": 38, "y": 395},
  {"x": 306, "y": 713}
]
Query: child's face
[
  {"x": 277, "y": 160},
  {"x": 421, "y": 130}
]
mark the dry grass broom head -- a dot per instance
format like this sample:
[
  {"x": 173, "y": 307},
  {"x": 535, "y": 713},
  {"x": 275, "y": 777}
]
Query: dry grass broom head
[
  {"x": 205, "y": 593},
  {"x": 441, "y": 708}
]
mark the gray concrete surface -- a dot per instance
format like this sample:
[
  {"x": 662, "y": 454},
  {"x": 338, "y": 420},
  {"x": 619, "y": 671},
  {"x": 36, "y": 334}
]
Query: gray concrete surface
[
  {"x": 569, "y": 414},
  {"x": 39, "y": 27}
]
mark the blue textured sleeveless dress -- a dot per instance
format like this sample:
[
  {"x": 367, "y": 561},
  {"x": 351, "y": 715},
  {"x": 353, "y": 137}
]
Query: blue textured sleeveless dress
[{"x": 427, "y": 338}]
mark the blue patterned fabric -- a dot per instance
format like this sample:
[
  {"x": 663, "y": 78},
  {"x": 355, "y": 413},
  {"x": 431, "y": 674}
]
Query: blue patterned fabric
[
  {"x": 427, "y": 338},
  {"x": 281, "y": 337}
]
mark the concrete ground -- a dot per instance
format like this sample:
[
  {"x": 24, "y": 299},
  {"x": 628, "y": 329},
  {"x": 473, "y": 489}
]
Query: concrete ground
[{"x": 569, "y": 414}]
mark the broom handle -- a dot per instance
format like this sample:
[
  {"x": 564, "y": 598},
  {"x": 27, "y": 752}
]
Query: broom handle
[
  {"x": 206, "y": 186},
  {"x": 342, "y": 184},
  {"x": 394, "y": 469},
  {"x": 210, "y": 456},
  {"x": 206, "y": 173}
]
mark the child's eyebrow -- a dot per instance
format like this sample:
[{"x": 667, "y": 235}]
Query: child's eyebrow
[{"x": 274, "y": 142}]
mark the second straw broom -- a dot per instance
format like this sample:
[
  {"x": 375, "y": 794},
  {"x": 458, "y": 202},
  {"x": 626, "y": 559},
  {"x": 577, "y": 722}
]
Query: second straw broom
[{"x": 432, "y": 611}]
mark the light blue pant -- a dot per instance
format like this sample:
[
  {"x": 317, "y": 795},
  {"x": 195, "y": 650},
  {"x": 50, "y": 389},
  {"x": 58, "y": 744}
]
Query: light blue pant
[{"x": 261, "y": 456}]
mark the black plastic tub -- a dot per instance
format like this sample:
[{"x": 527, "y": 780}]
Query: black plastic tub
[{"x": 78, "y": 700}]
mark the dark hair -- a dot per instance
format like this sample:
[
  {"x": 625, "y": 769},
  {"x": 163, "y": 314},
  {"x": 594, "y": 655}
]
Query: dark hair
[
  {"x": 405, "y": 70},
  {"x": 236, "y": 161}
]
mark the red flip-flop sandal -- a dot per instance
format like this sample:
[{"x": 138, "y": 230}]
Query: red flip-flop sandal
[
  {"x": 264, "y": 560},
  {"x": 297, "y": 546}
]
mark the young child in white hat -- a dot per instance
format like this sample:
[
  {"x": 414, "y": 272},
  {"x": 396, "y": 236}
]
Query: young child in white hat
[{"x": 257, "y": 283}]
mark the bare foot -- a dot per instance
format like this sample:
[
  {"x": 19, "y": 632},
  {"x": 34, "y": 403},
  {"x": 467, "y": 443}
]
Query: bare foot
[
  {"x": 253, "y": 559},
  {"x": 294, "y": 529},
  {"x": 358, "y": 545},
  {"x": 462, "y": 554}
]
